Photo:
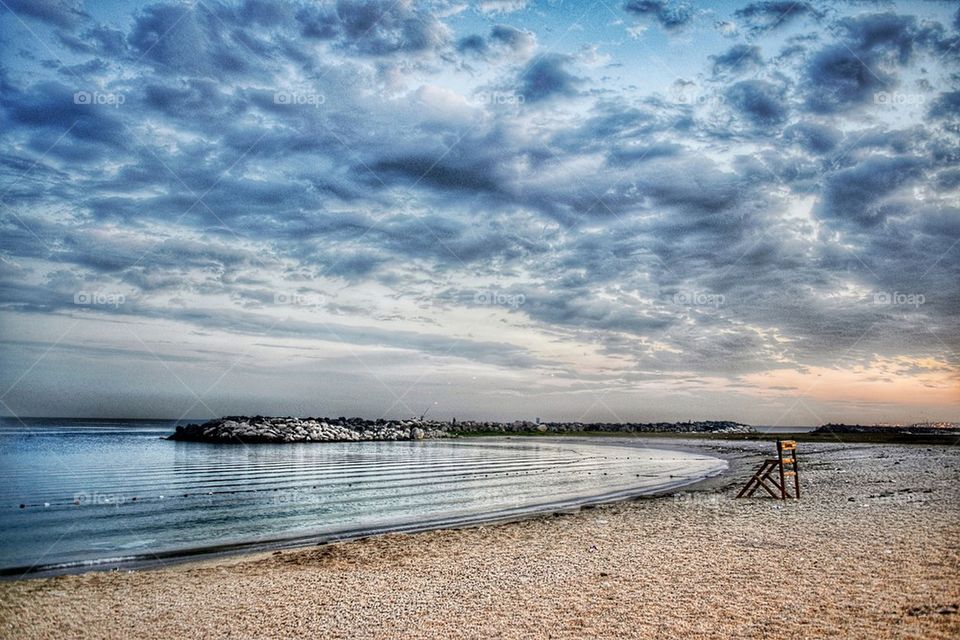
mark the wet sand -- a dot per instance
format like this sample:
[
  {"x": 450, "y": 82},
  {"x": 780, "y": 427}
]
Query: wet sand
[{"x": 872, "y": 551}]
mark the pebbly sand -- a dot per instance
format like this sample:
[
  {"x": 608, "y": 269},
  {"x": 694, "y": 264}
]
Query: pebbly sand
[{"x": 872, "y": 551}]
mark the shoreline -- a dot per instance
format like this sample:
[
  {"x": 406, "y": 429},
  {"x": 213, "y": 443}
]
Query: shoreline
[
  {"x": 149, "y": 560},
  {"x": 873, "y": 550}
]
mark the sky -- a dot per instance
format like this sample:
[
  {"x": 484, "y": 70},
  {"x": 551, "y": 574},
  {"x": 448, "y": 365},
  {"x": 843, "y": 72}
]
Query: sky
[{"x": 598, "y": 211}]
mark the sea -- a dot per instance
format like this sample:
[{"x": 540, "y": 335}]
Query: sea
[{"x": 82, "y": 494}]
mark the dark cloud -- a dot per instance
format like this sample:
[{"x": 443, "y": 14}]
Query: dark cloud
[
  {"x": 763, "y": 16},
  {"x": 472, "y": 44},
  {"x": 442, "y": 174},
  {"x": 873, "y": 47},
  {"x": 318, "y": 22},
  {"x": 879, "y": 34},
  {"x": 670, "y": 15},
  {"x": 99, "y": 40},
  {"x": 263, "y": 13},
  {"x": 626, "y": 155},
  {"x": 815, "y": 138},
  {"x": 547, "y": 77},
  {"x": 67, "y": 111},
  {"x": 60, "y": 13},
  {"x": 949, "y": 179},
  {"x": 382, "y": 27},
  {"x": 838, "y": 78},
  {"x": 946, "y": 106},
  {"x": 503, "y": 40},
  {"x": 192, "y": 97},
  {"x": 511, "y": 37},
  {"x": 854, "y": 197},
  {"x": 185, "y": 39},
  {"x": 761, "y": 103},
  {"x": 693, "y": 186},
  {"x": 737, "y": 59}
]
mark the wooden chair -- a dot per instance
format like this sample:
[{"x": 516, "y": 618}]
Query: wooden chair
[{"x": 776, "y": 486}]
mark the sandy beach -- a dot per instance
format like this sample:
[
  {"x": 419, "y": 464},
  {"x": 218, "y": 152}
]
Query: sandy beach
[{"x": 871, "y": 551}]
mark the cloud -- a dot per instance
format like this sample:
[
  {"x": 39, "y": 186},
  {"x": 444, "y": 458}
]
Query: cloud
[
  {"x": 872, "y": 49},
  {"x": 100, "y": 40},
  {"x": 59, "y": 13},
  {"x": 65, "y": 111},
  {"x": 318, "y": 22},
  {"x": 395, "y": 159},
  {"x": 441, "y": 174},
  {"x": 879, "y": 34},
  {"x": 643, "y": 153},
  {"x": 761, "y": 103},
  {"x": 946, "y": 106},
  {"x": 737, "y": 59},
  {"x": 838, "y": 78},
  {"x": 383, "y": 27},
  {"x": 502, "y": 41},
  {"x": 179, "y": 38},
  {"x": 501, "y": 6},
  {"x": 814, "y": 137},
  {"x": 547, "y": 77},
  {"x": 472, "y": 44},
  {"x": 853, "y": 197},
  {"x": 518, "y": 41},
  {"x": 670, "y": 15},
  {"x": 773, "y": 14}
]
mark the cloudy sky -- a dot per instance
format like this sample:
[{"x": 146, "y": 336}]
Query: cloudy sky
[{"x": 609, "y": 211}]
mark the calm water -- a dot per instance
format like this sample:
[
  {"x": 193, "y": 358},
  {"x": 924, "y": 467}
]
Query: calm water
[{"x": 99, "y": 494}]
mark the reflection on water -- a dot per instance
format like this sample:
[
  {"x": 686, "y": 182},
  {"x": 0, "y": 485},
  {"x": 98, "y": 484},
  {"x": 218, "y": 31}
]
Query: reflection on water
[{"x": 93, "y": 491}]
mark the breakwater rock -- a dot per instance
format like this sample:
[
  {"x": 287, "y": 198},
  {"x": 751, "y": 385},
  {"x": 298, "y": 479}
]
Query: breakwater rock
[
  {"x": 254, "y": 429},
  {"x": 242, "y": 429}
]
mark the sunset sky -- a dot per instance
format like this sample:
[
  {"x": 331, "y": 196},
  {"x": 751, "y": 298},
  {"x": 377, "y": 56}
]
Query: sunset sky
[{"x": 600, "y": 211}]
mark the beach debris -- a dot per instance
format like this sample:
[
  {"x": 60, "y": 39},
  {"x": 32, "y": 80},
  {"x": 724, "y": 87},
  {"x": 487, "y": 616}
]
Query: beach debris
[{"x": 926, "y": 610}]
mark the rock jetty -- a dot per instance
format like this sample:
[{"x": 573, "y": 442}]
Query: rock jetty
[
  {"x": 260, "y": 429},
  {"x": 242, "y": 429}
]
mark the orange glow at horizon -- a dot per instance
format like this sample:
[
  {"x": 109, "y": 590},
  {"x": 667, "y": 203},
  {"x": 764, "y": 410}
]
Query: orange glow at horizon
[{"x": 902, "y": 380}]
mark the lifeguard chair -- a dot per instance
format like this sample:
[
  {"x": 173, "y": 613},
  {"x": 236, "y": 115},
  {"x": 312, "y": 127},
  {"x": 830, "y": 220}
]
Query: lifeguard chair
[{"x": 776, "y": 486}]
